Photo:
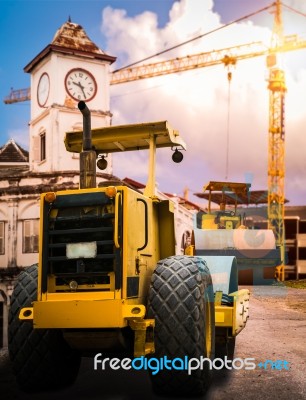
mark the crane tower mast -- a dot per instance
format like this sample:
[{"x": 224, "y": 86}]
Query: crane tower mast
[{"x": 276, "y": 142}]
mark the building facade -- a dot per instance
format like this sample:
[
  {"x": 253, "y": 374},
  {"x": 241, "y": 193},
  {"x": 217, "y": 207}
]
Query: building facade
[{"x": 71, "y": 68}]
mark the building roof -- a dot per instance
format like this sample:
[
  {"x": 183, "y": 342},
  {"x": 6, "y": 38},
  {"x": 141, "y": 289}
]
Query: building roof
[
  {"x": 185, "y": 202},
  {"x": 181, "y": 200},
  {"x": 262, "y": 212},
  {"x": 296, "y": 211},
  {"x": 71, "y": 38},
  {"x": 11, "y": 152},
  {"x": 133, "y": 183}
]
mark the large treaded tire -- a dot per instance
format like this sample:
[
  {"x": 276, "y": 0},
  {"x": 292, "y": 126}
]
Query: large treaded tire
[
  {"x": 181, "y": 301},
  {"x": 41, "y": 358}
]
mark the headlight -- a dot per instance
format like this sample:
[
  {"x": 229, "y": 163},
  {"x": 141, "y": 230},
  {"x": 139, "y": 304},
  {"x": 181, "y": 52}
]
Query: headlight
[
  {"x": 50, "y": 197},
  {"x": 73, "y": 285},
  {"x": 110, "y": 191}
]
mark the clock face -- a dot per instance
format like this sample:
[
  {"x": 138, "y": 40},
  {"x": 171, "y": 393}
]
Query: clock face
[
  {"x": 80, "y": 84},
  {"x": 43, "y": 89}
]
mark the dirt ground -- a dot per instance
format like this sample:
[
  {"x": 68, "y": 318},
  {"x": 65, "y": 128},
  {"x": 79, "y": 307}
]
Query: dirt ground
[{"x": 275, "y": 331}]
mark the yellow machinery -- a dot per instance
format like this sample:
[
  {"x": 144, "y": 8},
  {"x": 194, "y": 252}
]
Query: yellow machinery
[
  {"x": 224, "y": 232},
  {"x": 108, "y": 279}
]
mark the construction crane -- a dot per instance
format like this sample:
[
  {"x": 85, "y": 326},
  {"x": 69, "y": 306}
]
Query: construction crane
[
  {"x": 276, "y": 159},
  {"x": 205, "y": 59},
  {"x": 277, "y": 89}
]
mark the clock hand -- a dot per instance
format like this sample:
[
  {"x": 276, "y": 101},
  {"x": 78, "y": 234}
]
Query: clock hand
[{"x": 81, "y": 87}]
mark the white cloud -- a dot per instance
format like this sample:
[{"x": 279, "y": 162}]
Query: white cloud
[{"x": 196, "y": 102}]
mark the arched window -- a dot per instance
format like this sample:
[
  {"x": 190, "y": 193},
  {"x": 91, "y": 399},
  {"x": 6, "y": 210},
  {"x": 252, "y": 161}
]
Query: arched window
[
  {"x": 2, "y": 237},
  {"x": 30, "y": 236},
  {"x": 186, "y": 240}
]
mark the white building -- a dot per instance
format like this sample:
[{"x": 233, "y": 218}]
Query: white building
[{"x": 70, "y": 69}]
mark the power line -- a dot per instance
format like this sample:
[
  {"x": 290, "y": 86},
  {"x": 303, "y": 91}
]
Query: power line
[{"x": 197, "y": 37}]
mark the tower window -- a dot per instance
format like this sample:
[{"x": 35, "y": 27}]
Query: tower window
[
  {"x": 30, "y": 236},
  {"x": 43, "y": 146},
  {"x": 2, "y": 246},
  {"x": 39, "y": 148}
]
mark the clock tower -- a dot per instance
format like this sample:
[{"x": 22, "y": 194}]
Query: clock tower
[{"x": 70, "y": 69}]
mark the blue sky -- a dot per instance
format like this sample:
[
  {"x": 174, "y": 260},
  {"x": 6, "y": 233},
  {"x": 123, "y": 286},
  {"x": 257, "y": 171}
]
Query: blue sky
[{"x": 27, "y": 26}]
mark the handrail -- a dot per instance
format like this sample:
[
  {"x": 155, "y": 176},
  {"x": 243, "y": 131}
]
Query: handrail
[
  {"x": 146, "y": 224},
  {"x": 116, "y": 222}
]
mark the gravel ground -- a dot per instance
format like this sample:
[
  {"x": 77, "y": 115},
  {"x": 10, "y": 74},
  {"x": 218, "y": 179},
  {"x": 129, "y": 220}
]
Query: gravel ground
[{"x": 276, "y": 330}]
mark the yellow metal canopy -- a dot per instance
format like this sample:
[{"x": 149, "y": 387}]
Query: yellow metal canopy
[
  {"x": 233, "y": 193},
  {"x": 238, "y": 188},
  {"x": 112, "y": 139},
  {"x": 225, "y": 192}
]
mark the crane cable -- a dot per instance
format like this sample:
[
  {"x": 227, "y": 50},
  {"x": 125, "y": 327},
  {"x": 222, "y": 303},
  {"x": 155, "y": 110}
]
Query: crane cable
[
  {"x": 294, "y": 10},
  {"x": 229, "y": 78},
  {"x": 197, "y": 37}
]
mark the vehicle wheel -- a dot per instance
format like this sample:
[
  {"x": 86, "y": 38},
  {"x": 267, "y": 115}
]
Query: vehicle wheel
[
  {"x": 41, "y": 358},
  {"x": 181, "y": 301}
]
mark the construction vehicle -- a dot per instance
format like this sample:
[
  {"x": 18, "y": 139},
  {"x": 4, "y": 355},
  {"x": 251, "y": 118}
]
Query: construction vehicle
[
  {"x": 108, "y": 279},
  {"x": 224, "y": 231}
]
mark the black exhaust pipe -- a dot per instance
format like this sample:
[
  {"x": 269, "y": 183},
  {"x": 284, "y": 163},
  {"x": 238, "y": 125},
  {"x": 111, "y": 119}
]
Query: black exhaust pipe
[
  {"x": 88, "y": 155},
  {"x": 86, "y": 125}
]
